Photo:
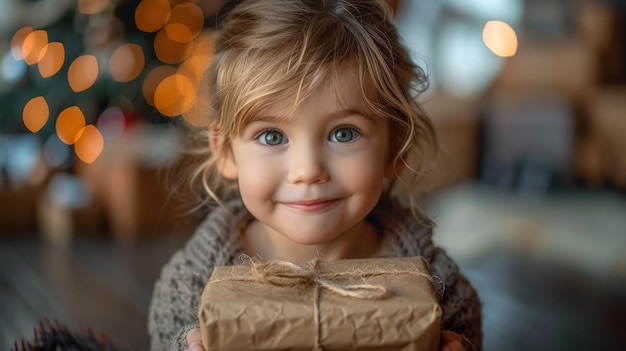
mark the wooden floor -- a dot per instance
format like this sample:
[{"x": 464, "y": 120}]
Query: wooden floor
[{"x": 96, "y": 283}]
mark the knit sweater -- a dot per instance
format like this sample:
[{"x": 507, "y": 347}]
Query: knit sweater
[{"x": 217, "y": 242}]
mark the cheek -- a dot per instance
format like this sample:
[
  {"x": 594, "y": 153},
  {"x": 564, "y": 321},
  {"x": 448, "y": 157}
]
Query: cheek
[
  {"x": 257, "y": 180},
  {"x": 364, "y": 174}
]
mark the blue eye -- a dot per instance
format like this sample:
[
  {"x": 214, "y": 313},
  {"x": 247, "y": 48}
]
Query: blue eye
[
  {"x": 344, "y": 135},
  {"x": 271, "y": 138}
]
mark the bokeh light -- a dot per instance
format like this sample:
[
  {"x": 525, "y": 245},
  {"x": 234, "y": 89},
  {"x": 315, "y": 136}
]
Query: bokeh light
[
  {"x": 55, "y": 152},
  {"x": 34, "y": 46},
  {"x": 127, "y": 62},
  {"x": 174, "y": 95},
  {"x": 178, "y": 32},
  {"x": 185, "y": 23},
  {"x": 17, "y": 42},
  {"x": 153, "y": 79},
  {"x": 35, "y": 113},
  {"x": 83, "y": 73},
  {"x": 169, "y": 51},
  {"x": 151, "y": 15},
  {"x": 69, "y": 123},
  {"x": 198, "y": 113},
  {"x": 463, "y": 44},
  {"x": 200, "y": 58},
  {"x": 91, "y": 7},
  {"x": 111, "y": 123},
  {"x": 500, "y": 38},
  {"x": 69, "y": 191},
  {"x": 193, "y": 68},
  {"x": 89, "y": 144},
  {"x": 53, "y": 60},
  {"x": 11, "y": 70},
  {"x": 21, "y": 163}
]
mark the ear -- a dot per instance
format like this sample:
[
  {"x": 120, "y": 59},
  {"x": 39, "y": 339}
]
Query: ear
[{"x": 225, "y": 161}]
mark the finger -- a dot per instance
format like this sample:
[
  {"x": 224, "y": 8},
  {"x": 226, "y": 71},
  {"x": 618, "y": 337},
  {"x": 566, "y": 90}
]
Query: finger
[
  {"x": 194, "y": 340},
  {"x": 458, "y": 346},
  {"x": 451, "y": 341},
  {"x": 453, "y": 345}
]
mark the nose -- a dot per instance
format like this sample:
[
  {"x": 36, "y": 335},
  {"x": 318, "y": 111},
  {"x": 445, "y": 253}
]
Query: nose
[{"x": 307, "y": 165}]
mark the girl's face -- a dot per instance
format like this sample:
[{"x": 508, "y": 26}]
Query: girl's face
[{"x": 314, "y": 177}]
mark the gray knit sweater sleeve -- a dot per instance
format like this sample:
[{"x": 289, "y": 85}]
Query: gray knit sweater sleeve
[
  {"x": 459, "y": 300},
  {"x": 176, "y": 294}
]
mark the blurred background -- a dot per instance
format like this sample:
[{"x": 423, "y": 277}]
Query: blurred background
[{"x": 528, "y": 98}]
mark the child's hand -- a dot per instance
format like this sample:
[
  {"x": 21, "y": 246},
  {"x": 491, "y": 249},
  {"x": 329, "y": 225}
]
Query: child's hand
[
  {"x": 194, "y": 340},
  {"x": 450, "y": 342}
]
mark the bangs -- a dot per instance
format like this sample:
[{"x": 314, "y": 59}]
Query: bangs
[
  {"x": 257, "y": 81},
  {"x": 285, "y": 69},
  {"x": 254, "y": 91}
]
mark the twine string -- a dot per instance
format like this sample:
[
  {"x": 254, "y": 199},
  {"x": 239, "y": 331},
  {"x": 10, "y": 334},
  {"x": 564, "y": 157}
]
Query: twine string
[{"x": 283, "y": 273}]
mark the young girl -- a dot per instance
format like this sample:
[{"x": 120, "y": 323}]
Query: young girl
[{"x": 313, "y": 115}]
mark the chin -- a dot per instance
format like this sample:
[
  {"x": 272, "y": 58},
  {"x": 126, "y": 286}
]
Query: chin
[{"x": 309, "y": 240}]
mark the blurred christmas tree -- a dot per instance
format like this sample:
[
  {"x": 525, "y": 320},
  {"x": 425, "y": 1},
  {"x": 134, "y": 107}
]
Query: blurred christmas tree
[{"x": 84, "y": 72}]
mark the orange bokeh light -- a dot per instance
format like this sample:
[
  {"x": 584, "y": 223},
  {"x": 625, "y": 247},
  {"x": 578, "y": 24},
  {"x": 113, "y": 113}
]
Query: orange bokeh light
[
  {"x": 151, "y": 15},
  {"x": 17, "y": 41},
  {"x": 204, "y": 45},
  {"x": 89, "y": 144},
  {"x": 169, "y": 51},
  {"x": 500, "y": 38},
  {"x": 53, "y": 60},
  {"x": 174, "y": 95},
  {"x": 199, "y": 61},
  {"x": 91, "y": 7},
  {"x": 178, "y": 32},
  {"x": 198, "y": 113},
  {"x": 194, "y": 68},
  {"x": 186, "y": 22},
  {"x": 34, "y": 46},
  {"x": 35, "y": 114},
  {"x": 153, "y": 79},
  {"x": 69, "y": 123},
  {"x": 127, "y": 62},
  {"x": 82, "y": 73}
]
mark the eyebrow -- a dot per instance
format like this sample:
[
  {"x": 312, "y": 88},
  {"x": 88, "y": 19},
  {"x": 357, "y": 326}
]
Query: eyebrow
[
  {"x": 350, "y": 112},
  {"x": 334, "y": 114},
  {"x": 263, "y": 118}
]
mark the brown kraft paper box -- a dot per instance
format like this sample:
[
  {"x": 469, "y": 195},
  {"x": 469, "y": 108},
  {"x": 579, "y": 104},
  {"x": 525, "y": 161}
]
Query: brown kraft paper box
[{"x": 239, "y": 312}]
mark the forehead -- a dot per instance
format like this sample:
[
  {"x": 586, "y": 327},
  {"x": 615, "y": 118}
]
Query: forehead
[{"x": 342, "y": 90}]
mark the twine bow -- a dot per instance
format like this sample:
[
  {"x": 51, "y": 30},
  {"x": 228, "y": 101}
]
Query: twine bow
[{"x": 288, "y": 274}]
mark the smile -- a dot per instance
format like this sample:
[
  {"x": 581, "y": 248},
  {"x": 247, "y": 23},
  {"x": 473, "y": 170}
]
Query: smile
[{"x": 311, "y": 206}]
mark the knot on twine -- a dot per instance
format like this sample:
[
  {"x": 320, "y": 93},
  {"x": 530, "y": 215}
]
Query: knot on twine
[{"x": 288, "y": 274}]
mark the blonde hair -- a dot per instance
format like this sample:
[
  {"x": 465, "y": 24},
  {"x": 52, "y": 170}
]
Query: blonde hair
[{"x": 268, "y": 49}]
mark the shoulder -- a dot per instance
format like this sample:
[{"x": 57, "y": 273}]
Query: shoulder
[
  {"x": 215, "y": 242},
  {"x": 221, "y": 227},
  {"x": 403, "y": 234}
]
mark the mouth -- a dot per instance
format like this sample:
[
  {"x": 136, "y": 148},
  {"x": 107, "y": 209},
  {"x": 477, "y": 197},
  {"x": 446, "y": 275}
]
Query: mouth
[{"x": 311, "y": 206}]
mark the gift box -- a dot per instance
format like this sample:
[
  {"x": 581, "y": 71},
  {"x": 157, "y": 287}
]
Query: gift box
[{"x": 357, "y": 304}]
